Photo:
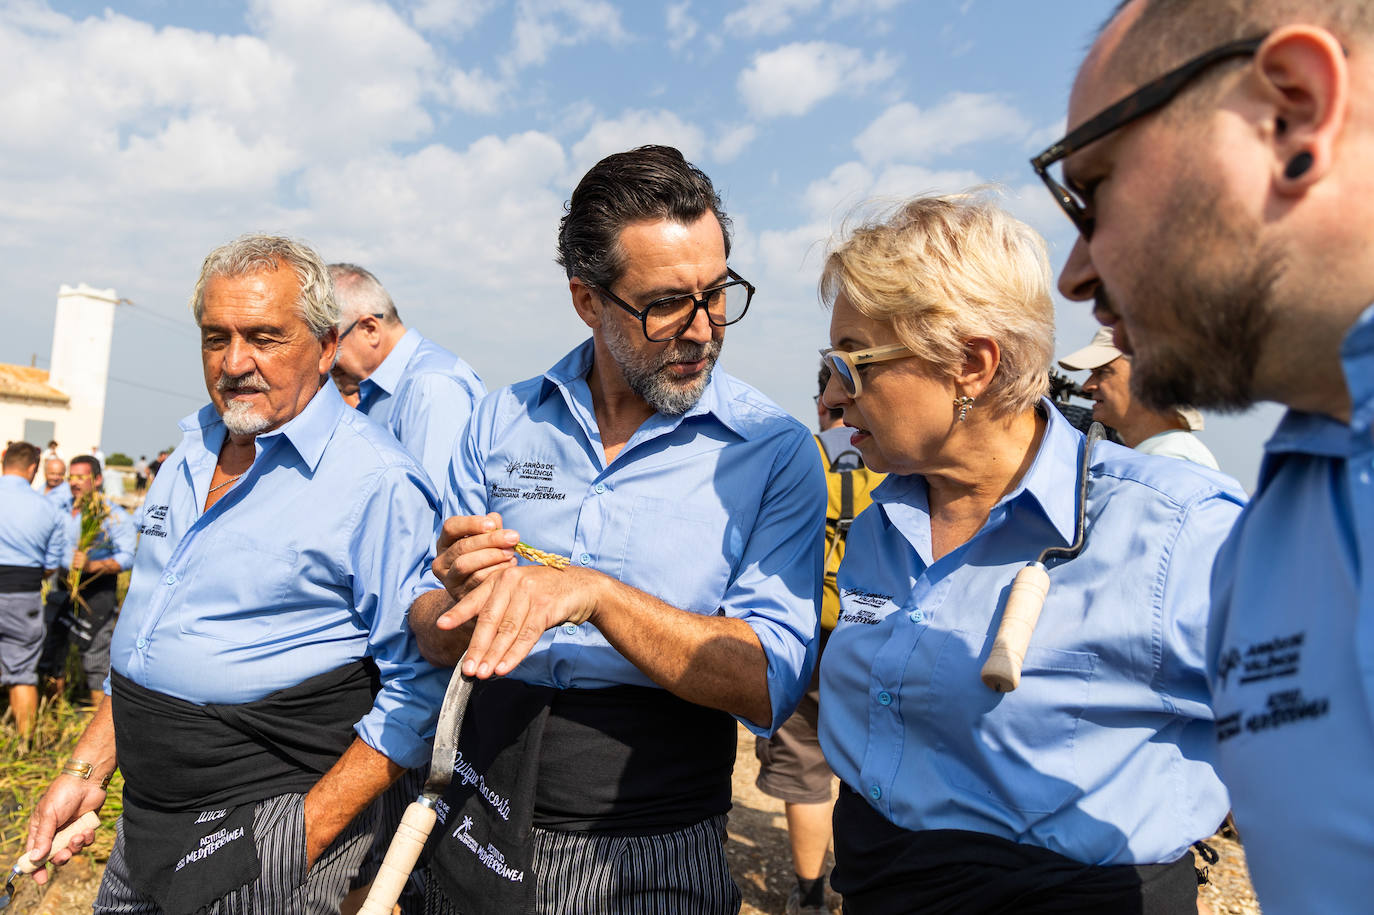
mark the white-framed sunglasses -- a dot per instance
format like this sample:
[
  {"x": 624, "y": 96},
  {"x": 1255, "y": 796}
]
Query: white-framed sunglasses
[{"x": 845, "y": 365}]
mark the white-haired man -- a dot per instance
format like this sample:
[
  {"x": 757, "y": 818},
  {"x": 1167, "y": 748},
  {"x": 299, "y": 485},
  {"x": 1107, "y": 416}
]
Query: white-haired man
[
  {"x": 1219, "y": 166},
  {"x": 1170, "y": 432},
  {"x": 422, "y": 393},
  {"x": 265, "y": 688}
]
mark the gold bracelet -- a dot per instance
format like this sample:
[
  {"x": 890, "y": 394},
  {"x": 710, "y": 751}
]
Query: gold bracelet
[{"x": 79, "y": 768}]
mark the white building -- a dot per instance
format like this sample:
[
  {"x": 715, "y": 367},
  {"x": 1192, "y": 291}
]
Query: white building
[{"x": 67, "y": 402}]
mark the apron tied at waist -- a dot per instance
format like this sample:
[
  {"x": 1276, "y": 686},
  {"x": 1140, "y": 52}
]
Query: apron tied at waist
[
  {"x": 622, "y": 760},
  {"x": 20, "y": 579},
  {"x": 193, "y": 775},
  {"x": 883, "y": 869}
]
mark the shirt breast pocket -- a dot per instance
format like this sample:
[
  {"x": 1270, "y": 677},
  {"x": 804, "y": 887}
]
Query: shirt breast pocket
[
  {"x": 678, "y": 554},
  {"x": 1014, "y": 750},
  {"x": 247, "y": 606}
]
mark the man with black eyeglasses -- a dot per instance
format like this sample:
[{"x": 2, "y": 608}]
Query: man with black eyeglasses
[
  {"x": 414, "y": 388},
  {"x": 686, "y": 512},
  {"x": 1224, "y": 210}
]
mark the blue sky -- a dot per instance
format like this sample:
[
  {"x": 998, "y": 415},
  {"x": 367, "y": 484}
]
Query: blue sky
[{"x": 434, "y": 141}]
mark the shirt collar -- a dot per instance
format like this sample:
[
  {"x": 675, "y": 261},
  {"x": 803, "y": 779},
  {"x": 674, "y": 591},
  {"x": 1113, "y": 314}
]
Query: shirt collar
[
  {"x": 1051, "y": 484},
  {"x": 388, "y": 375},
  {"x": 9, "y": 479},
  {"x": 308, "y": 431},
  {"x": 1318, "y": 434},
  {"x": 572, "y": 369}
]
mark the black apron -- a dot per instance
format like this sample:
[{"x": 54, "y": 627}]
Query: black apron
[{"x": 193, "y": 775}]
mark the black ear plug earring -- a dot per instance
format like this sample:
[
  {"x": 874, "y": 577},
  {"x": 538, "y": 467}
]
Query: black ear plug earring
[{"x": 1298, "y": 165}]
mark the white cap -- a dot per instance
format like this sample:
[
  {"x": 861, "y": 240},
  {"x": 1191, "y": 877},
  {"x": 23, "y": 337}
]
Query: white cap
[{"x": 1095, "y": 355}]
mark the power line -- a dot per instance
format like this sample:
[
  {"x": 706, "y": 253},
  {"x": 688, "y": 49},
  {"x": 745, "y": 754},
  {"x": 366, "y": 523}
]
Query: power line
[
  {"x": 149, "y": 387},
  {"x": 146, "y": 312}
]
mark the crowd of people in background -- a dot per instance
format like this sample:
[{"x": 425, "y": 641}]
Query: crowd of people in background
[{"x": 1040, "y": 666}]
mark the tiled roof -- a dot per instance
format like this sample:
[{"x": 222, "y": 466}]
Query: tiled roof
[{"x": 27, "y": 383}]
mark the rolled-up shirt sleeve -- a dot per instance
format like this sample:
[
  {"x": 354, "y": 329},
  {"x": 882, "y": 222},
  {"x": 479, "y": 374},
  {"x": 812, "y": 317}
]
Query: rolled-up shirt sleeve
[
  {"x": 123, "y": 539},
  {"x": 391, "y": 551},
  {"x": 778, "y": 589}
]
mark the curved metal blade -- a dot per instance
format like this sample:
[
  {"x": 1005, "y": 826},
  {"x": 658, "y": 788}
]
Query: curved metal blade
[{"x": 446, "y": 731}]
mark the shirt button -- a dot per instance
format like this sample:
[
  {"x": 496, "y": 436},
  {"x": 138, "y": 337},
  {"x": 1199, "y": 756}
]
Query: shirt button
[
  {"x": 884, "y": 698},
  {"x": 171, "y": 579},
  {"x": 585, "y": 559},
  {"x": 142, "y": 643},
  {"x": 1364, "y": 476},
  {"x": 600, "y": 488},
  {"x": 916, "y": 616},
  {"x": 875, "y": 792},
  {"x": 570, "y": 628}
]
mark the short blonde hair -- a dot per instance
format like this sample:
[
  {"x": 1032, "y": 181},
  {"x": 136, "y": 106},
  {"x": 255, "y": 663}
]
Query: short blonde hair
[{"x": 943, "y": 269}]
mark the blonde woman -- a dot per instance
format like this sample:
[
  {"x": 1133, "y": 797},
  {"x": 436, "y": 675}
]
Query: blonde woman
[{"x": 1082, "y": 789}]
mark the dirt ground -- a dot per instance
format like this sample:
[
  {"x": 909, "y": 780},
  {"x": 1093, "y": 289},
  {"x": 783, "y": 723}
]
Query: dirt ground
[{"x": 757, "y": 850}]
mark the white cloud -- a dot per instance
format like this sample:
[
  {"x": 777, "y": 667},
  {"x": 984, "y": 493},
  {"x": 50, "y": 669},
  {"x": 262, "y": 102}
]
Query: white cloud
[
  {"x": 767, "y": 17},
  {"x": 450, "y": 16},
  {"x": 795, "y": 78},
  {"x": 904, "y": 131},
  {"x": 475, "y": 92},
  {"x": 636, "y": 128},
  {"x": 682, "y": 28},
  {"x": 542, "y": 25},
  {"x": 863, "y": 7},
  {"x": 732, "y": 141}
]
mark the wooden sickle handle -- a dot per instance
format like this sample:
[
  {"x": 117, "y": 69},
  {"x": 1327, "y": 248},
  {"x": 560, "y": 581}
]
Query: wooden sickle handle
[
  {"x": 1002, "y": 671},
  {"x": 87, "y": 821},
  {"x": 401, "y": 855}
]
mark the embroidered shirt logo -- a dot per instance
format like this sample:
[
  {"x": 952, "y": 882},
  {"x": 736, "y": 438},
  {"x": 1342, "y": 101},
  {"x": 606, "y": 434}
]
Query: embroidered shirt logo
[
  {"x": 1273, "y": 659},
  {"x": 529, "y": 480},
  {"x": 154, "y": 521},
  {"x": 854, "y": 604}
]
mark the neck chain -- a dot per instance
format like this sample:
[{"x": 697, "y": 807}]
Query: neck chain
[{"x": 225, "y": 483}]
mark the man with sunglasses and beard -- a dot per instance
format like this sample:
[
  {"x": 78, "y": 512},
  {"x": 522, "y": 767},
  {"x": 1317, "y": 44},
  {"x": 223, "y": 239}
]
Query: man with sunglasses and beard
[
  {"x": 594, "y": 761},
  {"x": 1218, "y": 167}
]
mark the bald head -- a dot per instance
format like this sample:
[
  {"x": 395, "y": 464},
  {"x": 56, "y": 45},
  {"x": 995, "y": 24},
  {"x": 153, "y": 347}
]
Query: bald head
[{"x": 54, "y": 469}]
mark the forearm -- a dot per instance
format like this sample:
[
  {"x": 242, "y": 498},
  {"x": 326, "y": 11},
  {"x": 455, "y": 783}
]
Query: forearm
[
  {"x": 440, "y": 647},
  {"x": 97, "y": 744},
  {"x": 713, "y": 661},
  {"x": 345, "y": 791}
]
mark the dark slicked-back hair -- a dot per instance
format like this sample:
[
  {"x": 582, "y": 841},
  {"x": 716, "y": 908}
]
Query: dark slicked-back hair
[
  {"x": 648, "y": 183},
  {"x": 1169, "y": 32},
  {"x": 20, "y": 456}
]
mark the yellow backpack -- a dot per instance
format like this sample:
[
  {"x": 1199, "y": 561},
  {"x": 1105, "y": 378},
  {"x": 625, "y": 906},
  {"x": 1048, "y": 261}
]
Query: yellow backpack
[{"x": 848, "y": 494}]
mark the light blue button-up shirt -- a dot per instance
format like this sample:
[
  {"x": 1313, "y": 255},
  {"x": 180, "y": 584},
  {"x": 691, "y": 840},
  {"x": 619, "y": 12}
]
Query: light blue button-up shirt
[
  {"x": 1103, "y": 753},
  {"x": 310, "y": 561},
  {"x": 1292, "y": 657},
  {"x": 60, "y": 496},
  {"x": 721, "y": 509},
  {"x": 30, "y": 527},
  {"x": 118, "y": 537},
  {"x": 423, "y": 395}
]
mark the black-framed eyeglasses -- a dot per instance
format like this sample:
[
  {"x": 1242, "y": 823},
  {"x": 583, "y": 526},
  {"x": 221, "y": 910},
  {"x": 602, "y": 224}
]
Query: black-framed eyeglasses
[
  {"x": 669, "y": 317},
  {"x": 1150, "y": 97},
  {"x": 349, "y": 329}
]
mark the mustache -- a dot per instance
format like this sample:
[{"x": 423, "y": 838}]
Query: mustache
[
  {"x": 686, "y": 351},
  {"x": 250, "y": 381}
]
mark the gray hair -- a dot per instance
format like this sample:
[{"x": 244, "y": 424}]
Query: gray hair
[
  {"x": 360, "y": 293},
  {"x": 249, "y": 254}
]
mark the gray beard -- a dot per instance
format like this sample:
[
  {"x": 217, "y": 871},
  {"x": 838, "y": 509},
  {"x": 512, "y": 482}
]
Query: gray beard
[
  {"x": 240, "y": 419},
  {"x": 648, "y": 374}
]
